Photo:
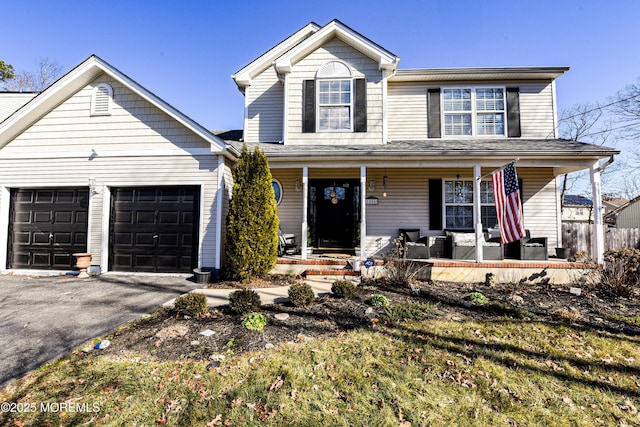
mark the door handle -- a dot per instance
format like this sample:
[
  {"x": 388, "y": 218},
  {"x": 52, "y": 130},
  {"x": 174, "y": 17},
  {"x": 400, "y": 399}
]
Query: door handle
[{"x": 155, "y": 236}]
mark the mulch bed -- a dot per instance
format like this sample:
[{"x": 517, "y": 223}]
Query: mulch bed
[{"x": 168, "y": 336}]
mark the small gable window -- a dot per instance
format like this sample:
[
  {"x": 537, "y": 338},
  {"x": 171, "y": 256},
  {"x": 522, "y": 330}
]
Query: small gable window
[
  {"x": 101, "y": 100},
  {"x": 335, "y": 101}
]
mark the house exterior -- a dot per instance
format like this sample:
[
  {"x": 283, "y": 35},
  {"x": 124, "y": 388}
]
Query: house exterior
[
  {"x": 576, "y": 208},
  {"x": 627, "y": 215},
  {"x": 360, "y": 148},
  {"x": 97, "y": 163}
]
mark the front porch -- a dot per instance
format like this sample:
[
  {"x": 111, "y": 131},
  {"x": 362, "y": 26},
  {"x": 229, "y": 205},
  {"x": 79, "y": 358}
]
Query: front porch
[{"x": 557, "y": 271}]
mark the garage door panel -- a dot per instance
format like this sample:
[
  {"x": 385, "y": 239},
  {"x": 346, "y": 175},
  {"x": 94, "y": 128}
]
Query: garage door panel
[
  {"x": 46, "y": 227},
  {"x": 45, "y": 196},
  {"x": 63, "y": 259},
  {"x": 22, "y": 218},
  {"x": 40, "y": 238},
  {"x": 63, "y": 217},
  {"x": 169, "y": 217},
  {"x": 41, "y": 217},
  {"x": 41, "y": 259},
  {"x": 62, "y": 238},
  {"x": 148, "y": 228},
  {"x": 145, "y": 239}
]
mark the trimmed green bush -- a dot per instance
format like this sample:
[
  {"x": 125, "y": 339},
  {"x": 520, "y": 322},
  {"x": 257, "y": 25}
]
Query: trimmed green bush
[
  {"x": 254, "y": 321},
  {"x": 251, "y": 243},
  {"x": 477, "y": 298},
  {"x": 409, "y": 310},
  {"x": 343, "y": 289},
  {"x": 378, "y": 300},
  {"x": 193, "y": 304},
  {"x": 301, "y": 294},
  {"x": 244, "y": 301}
]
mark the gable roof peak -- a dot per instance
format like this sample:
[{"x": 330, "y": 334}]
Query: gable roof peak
[{"x": 306, "y": 40}]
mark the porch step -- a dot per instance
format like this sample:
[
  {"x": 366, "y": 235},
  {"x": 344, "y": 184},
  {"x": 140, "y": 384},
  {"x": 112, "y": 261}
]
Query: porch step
[
  {"x": 316, "y": 267},
  {"x": 330, "y": 272}
]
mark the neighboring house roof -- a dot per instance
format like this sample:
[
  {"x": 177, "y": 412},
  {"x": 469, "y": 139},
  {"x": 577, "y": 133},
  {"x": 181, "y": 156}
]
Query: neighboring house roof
[
  {"x": 308, "y": 39},
  {"x": 576, "y": 200},
  {"x": 614, "y": 203},
  {"x": 76, "y": 79},
  {"x": 10, "y": 102}
]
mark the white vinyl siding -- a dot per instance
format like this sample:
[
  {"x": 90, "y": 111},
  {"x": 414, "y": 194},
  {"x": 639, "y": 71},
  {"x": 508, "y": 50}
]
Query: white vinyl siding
[
  {"x": 629, "y": 217},
  {"x": 134, "y": 123},
  {"x": 264, "y": 108},
  {"x": 536, "y": 110},
  {"x": 407, "y": 110},
  {"x": 361, "y": 67}
]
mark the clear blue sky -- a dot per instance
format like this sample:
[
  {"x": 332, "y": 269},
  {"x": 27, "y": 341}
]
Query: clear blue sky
[{"x": 185, "y": 51}]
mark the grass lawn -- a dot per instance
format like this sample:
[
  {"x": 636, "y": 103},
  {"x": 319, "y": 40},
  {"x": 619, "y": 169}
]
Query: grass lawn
[{"x": 501, "y": 372}]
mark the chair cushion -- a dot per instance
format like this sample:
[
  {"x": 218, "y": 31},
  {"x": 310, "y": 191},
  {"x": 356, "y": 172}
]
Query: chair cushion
[
  {"x": 413, "y": 235},
  {"x": 463, "y": 239}
]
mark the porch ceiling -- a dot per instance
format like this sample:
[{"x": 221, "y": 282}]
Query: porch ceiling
[{"x": 563, "y": 155}]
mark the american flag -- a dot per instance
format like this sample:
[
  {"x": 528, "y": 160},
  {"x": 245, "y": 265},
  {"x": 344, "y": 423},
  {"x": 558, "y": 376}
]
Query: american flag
[{"x": 506, "y": 194}]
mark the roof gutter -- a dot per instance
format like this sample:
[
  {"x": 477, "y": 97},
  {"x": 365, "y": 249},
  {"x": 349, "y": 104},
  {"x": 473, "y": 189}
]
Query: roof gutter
[{"x": 607, "y": 163}]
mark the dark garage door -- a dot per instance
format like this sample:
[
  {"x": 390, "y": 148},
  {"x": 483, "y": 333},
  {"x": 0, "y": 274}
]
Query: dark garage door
[
  {"x": 46, "y": 227},
  {"x": 154, "y": 229}
]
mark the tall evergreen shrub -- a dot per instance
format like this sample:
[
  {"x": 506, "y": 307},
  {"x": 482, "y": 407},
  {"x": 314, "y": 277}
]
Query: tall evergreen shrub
[{"x": 251, "y": 246}]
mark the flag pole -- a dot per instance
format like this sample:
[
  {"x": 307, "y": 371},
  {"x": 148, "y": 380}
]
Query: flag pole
[{"x": 498, "y": 169}]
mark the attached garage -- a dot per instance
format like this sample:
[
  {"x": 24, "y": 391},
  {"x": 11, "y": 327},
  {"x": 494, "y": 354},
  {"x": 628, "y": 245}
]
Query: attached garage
[
  {"x": 154, "y": 229},
  {"x": 47, "y": 226},
  {"x": 96, "y": 163}
]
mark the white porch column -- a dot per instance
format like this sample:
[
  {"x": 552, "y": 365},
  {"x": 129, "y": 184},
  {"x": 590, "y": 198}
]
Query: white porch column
[
  {"x": 477, "y": 212},
  {"x": 598, "y": 229},
  {"x": 219, "y": 201},
  {"x": 363, "y": 215},
  {"x": 305, "y": 209}
]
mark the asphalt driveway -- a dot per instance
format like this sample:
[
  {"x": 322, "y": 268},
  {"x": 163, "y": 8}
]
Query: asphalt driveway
[{"x": 44, "y": 318}]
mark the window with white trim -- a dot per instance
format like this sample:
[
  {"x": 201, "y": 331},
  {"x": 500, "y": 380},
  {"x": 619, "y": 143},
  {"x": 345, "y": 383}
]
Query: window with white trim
[
  {"x": 477, "y": 111},
  {"x": 458, "y": 205},
  {"x": 101, "y": 100},
  {"x": 334, "y": 86}
]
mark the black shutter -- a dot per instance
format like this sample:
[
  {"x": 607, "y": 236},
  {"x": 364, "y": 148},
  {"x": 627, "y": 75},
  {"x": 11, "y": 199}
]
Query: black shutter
[
  {"x": 433, "y": 104},
  {"x": 309, "y": 110},
  {"x": 360, "y": 116},
  {"x": 513, "y": 112},
  {"x": 435, "y": 204}
]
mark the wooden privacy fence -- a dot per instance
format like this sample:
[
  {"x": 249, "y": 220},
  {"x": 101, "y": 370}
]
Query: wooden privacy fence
[{"x": 577, "y": 237}]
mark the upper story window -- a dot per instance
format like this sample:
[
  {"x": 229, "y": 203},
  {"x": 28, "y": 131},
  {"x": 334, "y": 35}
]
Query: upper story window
[
  {"x": 334, "y": 97},
  {"x": 473, "y": 111},
  {"x": 335, "y": 101},
  {"x": 101, "y": 100}
]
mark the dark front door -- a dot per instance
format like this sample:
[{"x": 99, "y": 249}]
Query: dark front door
[
  {"x": 334, "y": 215},
  {"x": 46, "y": 227},
  {"x": 154, "y": 229}
]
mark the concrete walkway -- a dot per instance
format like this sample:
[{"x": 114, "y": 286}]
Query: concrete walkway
[{"x": 219, "y": 297}]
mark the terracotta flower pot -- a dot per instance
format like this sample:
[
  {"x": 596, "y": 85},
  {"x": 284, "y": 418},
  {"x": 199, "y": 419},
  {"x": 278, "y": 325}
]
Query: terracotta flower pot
[{"x": 83, "y": 261}]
